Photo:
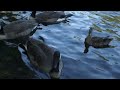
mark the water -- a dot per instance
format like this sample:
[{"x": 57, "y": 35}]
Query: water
[{"x": 69, "y": 38}]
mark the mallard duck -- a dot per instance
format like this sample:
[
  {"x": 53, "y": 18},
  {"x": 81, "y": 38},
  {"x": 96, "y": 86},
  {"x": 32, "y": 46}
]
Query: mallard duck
[
  {"x": 44, "y": 57},
  {"x": 96, "y": 42},
  {"x": 50, "y": 17}
]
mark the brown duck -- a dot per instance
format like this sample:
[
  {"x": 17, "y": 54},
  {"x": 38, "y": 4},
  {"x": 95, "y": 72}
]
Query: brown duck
[
  {"x": 50, "y": 17},
  {"x": 44, "y": 57},
  {"x": 96, "y": 42}
]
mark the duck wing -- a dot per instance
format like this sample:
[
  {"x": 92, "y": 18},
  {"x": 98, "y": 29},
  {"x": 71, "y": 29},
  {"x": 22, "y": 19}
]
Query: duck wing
[
  {"x": 100, "y": 42},
  {"x": 44, "y": 52},
  {"x": 19, "y": 28}
]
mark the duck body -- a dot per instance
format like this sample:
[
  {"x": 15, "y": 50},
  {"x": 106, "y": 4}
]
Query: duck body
[
  {"x": 96, "y": 42},
  {"x": 44, "y": 57},
  {"x": 47, "y": 18},
  {"x": 99, "y": 42},
  {"x": 36, "y": 50},
  {"x": 18, "y": 31},
  {"x": 19, "y": 28},
  {"x": 50, "y": 17}
]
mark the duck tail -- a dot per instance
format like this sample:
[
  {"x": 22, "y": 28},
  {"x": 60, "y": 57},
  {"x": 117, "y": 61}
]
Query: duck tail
[
  {"x": 111, "y": 39},
  {"x": 108, "y": 39}
]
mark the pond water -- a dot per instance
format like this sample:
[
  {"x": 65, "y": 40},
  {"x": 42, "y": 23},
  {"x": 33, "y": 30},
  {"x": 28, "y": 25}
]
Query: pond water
[{"x": 68, "y": 38}]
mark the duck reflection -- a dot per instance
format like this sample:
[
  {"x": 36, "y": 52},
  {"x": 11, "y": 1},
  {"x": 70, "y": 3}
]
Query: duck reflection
[{"x": 96, "y": 42}]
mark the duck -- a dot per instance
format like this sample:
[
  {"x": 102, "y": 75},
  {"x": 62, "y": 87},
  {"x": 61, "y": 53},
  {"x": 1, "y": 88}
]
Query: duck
[
  {"x": 44, "y": 57},
  {"x": 19, "y": 31},
  {"x": 96, "y": 42},
  {"x": 50, "y": 17}
]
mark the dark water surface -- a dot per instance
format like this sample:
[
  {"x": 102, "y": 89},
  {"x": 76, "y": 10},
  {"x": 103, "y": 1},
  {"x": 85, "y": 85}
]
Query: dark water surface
[{"x": 69, "y": 38}]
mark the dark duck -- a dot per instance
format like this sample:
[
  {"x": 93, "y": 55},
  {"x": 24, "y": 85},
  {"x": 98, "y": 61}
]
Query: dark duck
[
  {"x": 96, "y": 42},
  {"x": 50, "y": 17},
  {"x": 43, "y": 57},
  {"x": 19, "y": 31}
]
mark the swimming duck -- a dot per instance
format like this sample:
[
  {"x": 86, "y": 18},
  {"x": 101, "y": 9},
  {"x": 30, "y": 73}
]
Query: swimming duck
[
  {"x": 96, "y": 42},
  {"x": 44, "y": 57},
  {"x": 50, "y": 17}
]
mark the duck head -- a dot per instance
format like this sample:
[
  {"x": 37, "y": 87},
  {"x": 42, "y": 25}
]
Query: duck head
[
  {"x": 89, "y": 36},
  {"x": 87, "y": 41},
  {"x": 90, "y": 30},
  {"x": 55, "y": 72},
  {"x": 33, "y": 15}
]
